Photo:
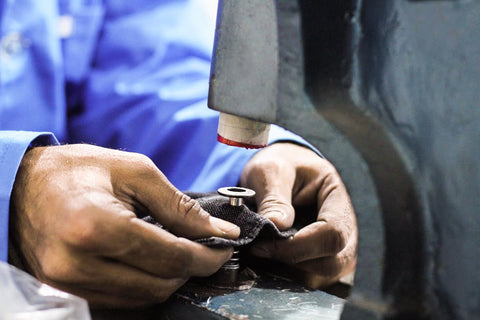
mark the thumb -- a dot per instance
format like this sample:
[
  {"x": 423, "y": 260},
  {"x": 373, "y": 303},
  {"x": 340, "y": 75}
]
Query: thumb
[
  {"x": 273, "y": 183},
  {"x": 180, "y": 214},
  {"x": 275, "y": 205},
  {"x": 183, "y": 216}
]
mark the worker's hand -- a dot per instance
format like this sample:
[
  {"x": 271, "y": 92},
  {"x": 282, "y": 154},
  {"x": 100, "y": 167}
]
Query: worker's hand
[
  {"x": 74, "y": 212},
  {"x": 285, "y": 176}
]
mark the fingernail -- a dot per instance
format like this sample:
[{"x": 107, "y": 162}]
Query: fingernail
[
  {"x": 229, "y": 229},
  {"x": 261, "y": 251}
]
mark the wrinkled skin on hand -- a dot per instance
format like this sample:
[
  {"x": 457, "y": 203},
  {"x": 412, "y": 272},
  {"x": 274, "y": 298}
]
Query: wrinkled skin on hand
[
  {"x": 286, "y": 176},
  {"x": 74, "y": 216}
]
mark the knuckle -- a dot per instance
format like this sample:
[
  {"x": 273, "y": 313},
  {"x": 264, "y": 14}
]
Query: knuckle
[
  {"x": 328, "y": 167},
  {"x": 80, "y": 230},
  {"x": 330, "y": 173},
  {"x": 188, "y": 207},
  {"x": 143, "y": 163},
  {"x": 82, "y": 238},
  {"x": 56, "y": 269}
]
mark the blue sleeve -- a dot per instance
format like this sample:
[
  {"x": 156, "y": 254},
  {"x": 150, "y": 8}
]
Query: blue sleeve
[{"x": 13, "y": 145}]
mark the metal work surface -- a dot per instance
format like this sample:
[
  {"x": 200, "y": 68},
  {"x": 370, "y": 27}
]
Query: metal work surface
[
  {"x": 269, "y": 297},
  {"x": 274, "y": 304},
  {"x": 389, "y": 91}
]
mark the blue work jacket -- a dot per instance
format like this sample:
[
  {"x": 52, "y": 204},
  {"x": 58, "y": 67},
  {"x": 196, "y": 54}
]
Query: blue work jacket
[{"x": 119, "y": 74}]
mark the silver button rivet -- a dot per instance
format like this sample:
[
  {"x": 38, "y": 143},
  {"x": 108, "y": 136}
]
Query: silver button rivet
[{"x": 236, "y": 194}]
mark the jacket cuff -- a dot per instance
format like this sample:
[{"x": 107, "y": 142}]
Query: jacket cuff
[
  {"x": 278, "y": 134},
  {"x": 13, "y": 145}
]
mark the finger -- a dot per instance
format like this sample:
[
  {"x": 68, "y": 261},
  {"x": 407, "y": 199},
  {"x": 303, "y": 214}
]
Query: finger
[
  {"x": 161, "y": 253},
  {"x": 333, "y": 200},
  {"x": 115, "y": 232},
  {"x": 321, "y": 272},
  {"x": 172, "y": 208},
  {"x": 324, "y": 271},
  {"x": 108, "y": 277},
  {"x": 314, "y": 241},
  {"x": 273, "y": 183},
  {"x": 105, "y": 300},
  {"x": 327, "y": 267},
  {"x": 100, "y": 300}
]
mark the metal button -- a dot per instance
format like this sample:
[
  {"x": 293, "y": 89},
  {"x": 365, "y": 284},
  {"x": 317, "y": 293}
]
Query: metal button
[
  {"x": 13, "y": 43},
  {"x": 227, "y": 275},
  {"x": 236, "y": 194}
]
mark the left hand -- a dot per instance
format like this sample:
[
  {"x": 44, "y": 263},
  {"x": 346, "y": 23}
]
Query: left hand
[{"x": 286, "y": 175}]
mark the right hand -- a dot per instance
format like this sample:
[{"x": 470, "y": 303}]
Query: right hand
[{"x": 74, "y": 220}]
